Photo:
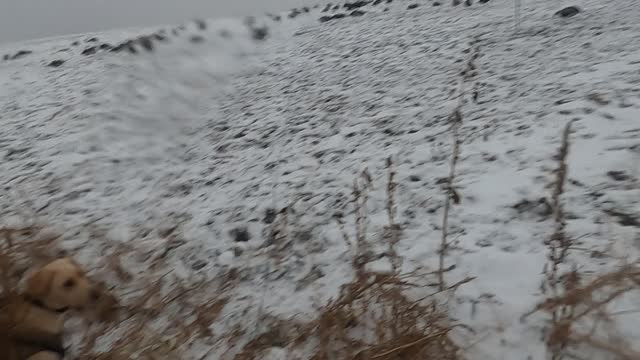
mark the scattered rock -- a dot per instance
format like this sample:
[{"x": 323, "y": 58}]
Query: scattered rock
[
  {"x": 240, "y": 234},
  {"x": 468, "y": 2},
  {"x": 568, "y": 12},
  {"x": 484, "y": 243},
  {"x": 159, "y": 37},
  {"x": 117, "y": 48},
  {"x": 93, "y": 39},
  {"x": 337, "y": 7},
  {"x": 327, "y": 8},
  {"x": 412, "y": 6},
  {"x": 56, "y": 63},
  {"x": 21, "y": 53},
  {"x": 198, "y": 265},
  {"x": 130, "y": 47},
  {"x": 305, "y": 9},
  {"x": 89, "y": 51},
  {"x": 540, "y": 207},
  {"x": 259, "y": 33},
  {"x": 483, "y": 1},
  {"x": 355, "y": 5},
  {"x": 105, "y": 46},
  {"x": 332, "y": 17},
  {"x": 624, "y": 219},
  {"x": 357, "y": 13},
  {"x": 414, "y": 178},
  {"x": 618, "y": 175},
  {"x": 293, "y": 14},
  {"x": 455, "y": 2},
  {"x": 376, "y": 2},
  {"x": 75, "y": 43},
  {"x": 269, "y": 216},
  {"x": 6, "y": 57},
  {"x": 146, "y": 43}
]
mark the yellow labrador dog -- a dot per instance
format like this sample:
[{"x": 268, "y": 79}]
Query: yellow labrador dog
[{"x": 31, "y": 323}]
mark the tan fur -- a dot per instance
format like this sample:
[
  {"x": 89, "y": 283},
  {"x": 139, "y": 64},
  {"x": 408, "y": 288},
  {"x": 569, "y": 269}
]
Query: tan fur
[{"x": 27, "y": 330}]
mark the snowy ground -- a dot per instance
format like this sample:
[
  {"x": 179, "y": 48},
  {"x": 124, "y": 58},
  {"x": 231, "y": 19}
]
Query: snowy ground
[{"x": 211, "y": 136}]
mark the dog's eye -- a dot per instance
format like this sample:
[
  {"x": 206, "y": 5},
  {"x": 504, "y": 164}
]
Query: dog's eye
[{"x": 69, "y": 284}]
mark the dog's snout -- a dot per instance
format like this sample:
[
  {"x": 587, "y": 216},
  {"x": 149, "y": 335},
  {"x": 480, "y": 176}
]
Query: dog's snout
[{"x": 94, "y": 295}]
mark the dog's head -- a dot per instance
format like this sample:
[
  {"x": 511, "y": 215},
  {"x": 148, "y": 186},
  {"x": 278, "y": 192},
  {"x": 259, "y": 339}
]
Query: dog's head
[{"x": 61, "y": 285}]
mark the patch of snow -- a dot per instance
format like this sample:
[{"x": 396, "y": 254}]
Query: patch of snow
[{"x": 206, "y": 137}]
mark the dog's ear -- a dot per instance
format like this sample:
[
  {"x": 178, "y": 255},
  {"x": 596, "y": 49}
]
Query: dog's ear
[{"x": 39, "y": 284}]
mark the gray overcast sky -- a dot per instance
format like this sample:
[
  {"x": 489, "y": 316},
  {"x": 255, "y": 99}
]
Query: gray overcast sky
[{"x": 30, "y": 19}]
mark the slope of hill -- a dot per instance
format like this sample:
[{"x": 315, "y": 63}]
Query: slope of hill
[{"x": 216, "y": 152}]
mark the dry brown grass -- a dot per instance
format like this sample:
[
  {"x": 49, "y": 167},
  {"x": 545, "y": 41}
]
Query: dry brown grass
[
  {"x": 376, "y": 315},
  {"x": 586, "y": 304},
  {"x": 576, "y": 301},
  {"x": 373, "y": 317}
]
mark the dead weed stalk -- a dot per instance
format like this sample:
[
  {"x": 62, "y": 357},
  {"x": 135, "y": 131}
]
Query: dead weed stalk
[
  {"x": 573, "y": 302},
  {"x": 455, "y": 119},
  {"x": 374, "y": 316}
]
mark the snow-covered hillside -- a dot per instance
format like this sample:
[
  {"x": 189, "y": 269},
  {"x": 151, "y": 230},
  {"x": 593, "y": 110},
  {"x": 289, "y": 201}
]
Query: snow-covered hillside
[{"x": 214, "y": 132}]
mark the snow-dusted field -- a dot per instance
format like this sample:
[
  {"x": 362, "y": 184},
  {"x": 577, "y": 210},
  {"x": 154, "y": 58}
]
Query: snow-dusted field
[{"x": 214, "y": 136}]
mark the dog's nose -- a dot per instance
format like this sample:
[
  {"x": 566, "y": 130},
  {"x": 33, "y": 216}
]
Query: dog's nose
[{"x": 94, "y": 295}]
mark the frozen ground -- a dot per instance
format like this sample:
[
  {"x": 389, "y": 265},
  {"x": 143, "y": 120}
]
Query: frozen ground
[{"x": 212, "y": 137}]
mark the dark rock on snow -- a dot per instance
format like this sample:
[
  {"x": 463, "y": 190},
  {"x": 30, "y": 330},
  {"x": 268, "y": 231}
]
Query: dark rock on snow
[
  {"x": 259, "y": 33},
  {"x": 21, "y": 53},
  {"x": 89, "y": 51},
  {"x": 355, "y": 5},
  {"x": 146, "y": 43},
  {"x": 56, "y": 63},
  {"x": 293, "y": 14},
  {"x": 332, "y": 17},
  {"x": 240, "y": 234},
  {"x": 568, "y": 12}
]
